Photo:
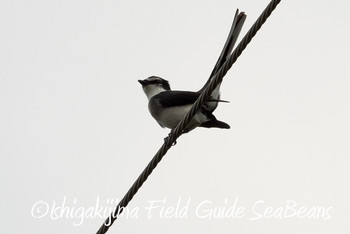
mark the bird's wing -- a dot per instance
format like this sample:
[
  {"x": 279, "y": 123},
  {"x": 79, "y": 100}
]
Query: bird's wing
[
  {"x": 179, "y": 98},
  {"x": 229, "y": 44},
  {"x": 176, "y": 98}
]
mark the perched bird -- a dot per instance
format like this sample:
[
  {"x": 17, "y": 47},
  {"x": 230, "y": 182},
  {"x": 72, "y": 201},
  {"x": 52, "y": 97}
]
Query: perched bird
[{"x": 168, "y": 107}]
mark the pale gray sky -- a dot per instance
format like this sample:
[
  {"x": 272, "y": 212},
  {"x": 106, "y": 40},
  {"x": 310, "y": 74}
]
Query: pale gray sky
[{"x": 75, "y": 129}]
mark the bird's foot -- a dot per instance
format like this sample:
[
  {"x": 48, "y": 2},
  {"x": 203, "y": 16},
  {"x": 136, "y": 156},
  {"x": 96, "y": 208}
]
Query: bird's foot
[{"x": 167, "y": 140}]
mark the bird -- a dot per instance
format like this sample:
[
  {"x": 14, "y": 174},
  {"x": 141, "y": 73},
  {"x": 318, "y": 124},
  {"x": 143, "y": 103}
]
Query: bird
[{"x": 168, "y": 107}]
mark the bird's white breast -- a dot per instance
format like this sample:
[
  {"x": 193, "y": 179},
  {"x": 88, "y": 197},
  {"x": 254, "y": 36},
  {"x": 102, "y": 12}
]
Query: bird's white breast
[{"x": 171, "y": 116}]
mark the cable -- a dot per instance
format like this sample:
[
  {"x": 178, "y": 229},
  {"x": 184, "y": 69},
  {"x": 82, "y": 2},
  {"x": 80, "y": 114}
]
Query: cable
[{"x": 176, "y": 132}]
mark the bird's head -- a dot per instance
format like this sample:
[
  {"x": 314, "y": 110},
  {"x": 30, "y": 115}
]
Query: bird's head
[{"x": 154, "y": 85}]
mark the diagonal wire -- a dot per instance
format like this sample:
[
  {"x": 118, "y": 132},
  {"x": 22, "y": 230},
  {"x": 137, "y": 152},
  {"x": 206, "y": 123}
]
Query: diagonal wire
[{"x": 175, "y": 133}]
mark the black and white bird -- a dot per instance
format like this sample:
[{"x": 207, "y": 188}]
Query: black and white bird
[{"x": 168, "y": 107}]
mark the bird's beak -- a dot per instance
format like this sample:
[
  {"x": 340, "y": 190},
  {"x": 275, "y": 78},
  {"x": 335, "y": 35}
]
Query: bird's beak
[{"x": 143, "y": 82}]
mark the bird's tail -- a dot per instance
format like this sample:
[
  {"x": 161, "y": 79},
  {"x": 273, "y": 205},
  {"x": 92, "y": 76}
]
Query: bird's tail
[{"x": 215, "y": 124}]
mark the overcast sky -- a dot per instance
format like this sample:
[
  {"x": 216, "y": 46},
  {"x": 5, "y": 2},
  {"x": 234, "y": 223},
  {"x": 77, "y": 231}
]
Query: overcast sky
[{"x": 75, "y": 129}]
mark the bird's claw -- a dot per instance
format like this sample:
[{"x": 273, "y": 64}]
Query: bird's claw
[{"x": 167, "y": 140}]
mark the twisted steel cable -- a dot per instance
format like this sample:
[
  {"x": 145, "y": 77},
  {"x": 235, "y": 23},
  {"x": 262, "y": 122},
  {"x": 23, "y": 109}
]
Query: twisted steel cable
[{"x": 176, "y": 132}]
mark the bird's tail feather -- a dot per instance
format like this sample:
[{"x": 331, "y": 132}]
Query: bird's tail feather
[{"x": 215, "y": 124}]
